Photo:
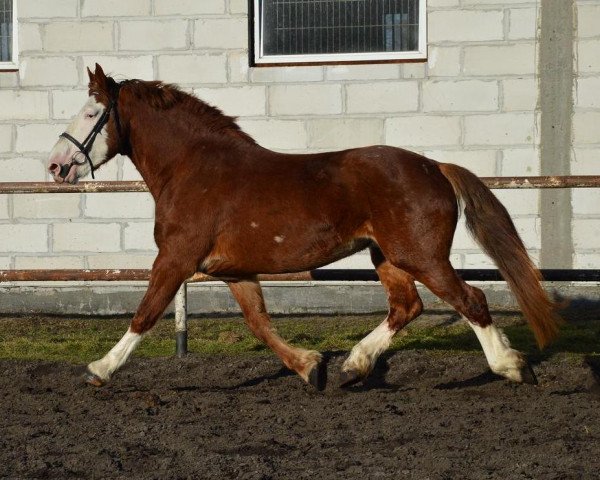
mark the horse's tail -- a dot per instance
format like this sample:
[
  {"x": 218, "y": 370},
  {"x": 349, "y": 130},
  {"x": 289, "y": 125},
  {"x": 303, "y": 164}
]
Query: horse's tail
[{"x": 489, "y": 223}]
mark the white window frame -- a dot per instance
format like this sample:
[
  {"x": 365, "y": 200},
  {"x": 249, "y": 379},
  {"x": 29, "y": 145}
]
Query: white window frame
[
  {"x": 14, "y": 63},
  {"x": 261, "y": 59}
]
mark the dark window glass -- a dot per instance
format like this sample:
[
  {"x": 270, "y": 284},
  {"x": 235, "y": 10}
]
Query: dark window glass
[
  {"x": 297, "y": 27},
  {"x": 6, "y": 30}
]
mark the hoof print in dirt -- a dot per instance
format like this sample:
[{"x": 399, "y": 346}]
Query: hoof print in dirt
[
  {"x": 92, "y": 379},
  {"x": 528, "y": 375},
  {"x": 349, "y": 378},
  {"x": 318, "y": 376}
]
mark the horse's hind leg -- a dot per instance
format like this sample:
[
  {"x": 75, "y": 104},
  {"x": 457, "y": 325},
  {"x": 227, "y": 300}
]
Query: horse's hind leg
[
  {"x": 307, "y": 363},
  {"x": 404, "y": 306},
  {"x": 168, "y": 273},
  {"x": 441, "y": 278}
]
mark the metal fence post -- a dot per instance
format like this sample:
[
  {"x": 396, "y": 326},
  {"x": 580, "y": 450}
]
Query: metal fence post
[{"x": 181, "y": 334}]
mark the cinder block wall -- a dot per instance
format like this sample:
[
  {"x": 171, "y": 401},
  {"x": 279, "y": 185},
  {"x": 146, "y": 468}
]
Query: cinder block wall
[
  {"x": 474, "y": 102},
  {"x": 586, "y": 135}
]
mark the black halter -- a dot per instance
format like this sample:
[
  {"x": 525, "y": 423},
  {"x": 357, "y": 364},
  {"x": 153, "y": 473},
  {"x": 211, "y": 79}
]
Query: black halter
[{"x": 86, "y": 146}]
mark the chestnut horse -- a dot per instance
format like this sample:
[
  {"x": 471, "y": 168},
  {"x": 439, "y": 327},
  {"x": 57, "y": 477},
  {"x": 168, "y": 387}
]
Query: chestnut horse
[{"x": 227, "y": 207}]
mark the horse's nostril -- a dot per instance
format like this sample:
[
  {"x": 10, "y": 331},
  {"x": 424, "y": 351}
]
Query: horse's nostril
[
  {"x": 59, "y": 170},
  {"x": 64, "y": 170}
]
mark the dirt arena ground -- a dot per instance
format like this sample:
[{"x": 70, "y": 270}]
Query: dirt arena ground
[{"x": 422, "y": 415}]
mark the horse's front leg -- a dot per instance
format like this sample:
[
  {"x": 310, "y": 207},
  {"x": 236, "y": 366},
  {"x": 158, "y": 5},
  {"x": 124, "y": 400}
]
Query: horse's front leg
[
  {"x": 307, "y": 363},
  {"x": 168, "y": 273}
]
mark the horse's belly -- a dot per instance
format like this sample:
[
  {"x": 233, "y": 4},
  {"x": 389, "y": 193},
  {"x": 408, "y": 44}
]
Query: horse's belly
[{"x": 249, "y": 259}]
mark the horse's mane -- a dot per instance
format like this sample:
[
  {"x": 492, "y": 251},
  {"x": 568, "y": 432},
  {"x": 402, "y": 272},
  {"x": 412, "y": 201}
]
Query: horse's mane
[{"x": 164, "y": 96}]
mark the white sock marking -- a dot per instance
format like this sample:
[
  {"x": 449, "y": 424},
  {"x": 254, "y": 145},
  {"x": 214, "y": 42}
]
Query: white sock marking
[
  {"x": 363, "y": 356},
  {"x": 116, "y": 357},
  {"x": 502, "y": 359}
]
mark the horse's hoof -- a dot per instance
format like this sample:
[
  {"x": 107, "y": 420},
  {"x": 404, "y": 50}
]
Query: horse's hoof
[
  {"x": 349, "y": 377},
  {"x": 527, "y": 375},
  {"x": 317, "y": 377},
  {"x": 93, "y": 379}
]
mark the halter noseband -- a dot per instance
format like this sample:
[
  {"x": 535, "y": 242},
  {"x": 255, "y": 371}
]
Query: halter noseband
[{"x": 86, "y": 146}]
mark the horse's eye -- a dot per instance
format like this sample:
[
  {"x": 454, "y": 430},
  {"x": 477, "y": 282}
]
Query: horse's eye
[{"x": 90, "y": 115}]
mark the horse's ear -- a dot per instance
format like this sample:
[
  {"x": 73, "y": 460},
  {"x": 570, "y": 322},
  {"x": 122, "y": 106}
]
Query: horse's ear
[
  {"x": 90, "y": 74},
  {"x": 99, "y": 72}
]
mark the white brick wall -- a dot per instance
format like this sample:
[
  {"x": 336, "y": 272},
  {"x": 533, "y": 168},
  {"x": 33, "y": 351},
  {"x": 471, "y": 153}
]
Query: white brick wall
[
  {"x": 520, "y": 162},
  {"x": 389, "y": 97},
  {"x": 423, "y": 131},
  {"x": 67, "y": 103},
  {"x": 586, "y": 127},
  {"x": 588, "y": 19},
  {"x": 586, "y": 136},
  {"x": 30, "y": 37},
  {"x": 473, "y": 103},
  {"x": 78, "y": 36},
  {"x": 519, "y": 94},
  {"x": 113, "y": 8},
  {"x": 500, "y": 129},
  {"x": 461, "y": 96},
  {"x": 221, "y": 33},
  {"x": 523, "y": 23},
  {"x": 277, "y": 134},
  {"x": 587, "y": 92},
  {"x": 23, "y": 238},
  {"x": 6, "y": 135},
  {"x": 465, "y": 25},
  {"x": 307, "y": 99},
  {"x": 23, "y": 169},
  {"x": 242, "y": 101},
  {"x": 588, "y": 59},
  {"x": 444, "y": 61},
  {"x": 119, "y": 205},
  {"x": 126, "y": 66},
  {"x": 47, "y": 205},
  {"x": 286, "y": 74},
  {"x": 338, "y": 134},
  {"x": 48, "y": 71},
  {"x": 45, "y": 9},
  {"x": 512, "y": 59},
  {"x": 46, "y": 262},
  {"x": 23, "y": 105},
  {"x": 4, "y": 207},
  {"x": 480, "y": 162},
  {"x": 153, "y": 35},
  {"x": 362, "y": 72},
  {"x": 192, "y": 69},
  {"x": 139, "y": 236},
  {"x": 86, "y": 237},
  {"x": 188, "y": 7},
  {"x": 36, "y": 137}
]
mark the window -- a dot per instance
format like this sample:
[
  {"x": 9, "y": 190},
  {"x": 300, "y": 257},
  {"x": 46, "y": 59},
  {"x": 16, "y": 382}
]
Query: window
[
  {"x": 321, "y": 31},
  {"x": 8, "y": 37}
]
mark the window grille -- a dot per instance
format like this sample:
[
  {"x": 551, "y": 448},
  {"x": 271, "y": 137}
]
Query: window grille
[
  {"x": 7, "y": 33},
  {"x": 296, "y": 31}
]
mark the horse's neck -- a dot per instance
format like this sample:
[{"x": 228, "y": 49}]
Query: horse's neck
[
  {"x": 157, "y": 136},
  {"x": 153, "y": 140}
]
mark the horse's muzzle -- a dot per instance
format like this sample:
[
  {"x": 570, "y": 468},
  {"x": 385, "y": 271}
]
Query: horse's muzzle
[{"x": 62, "y": 172}]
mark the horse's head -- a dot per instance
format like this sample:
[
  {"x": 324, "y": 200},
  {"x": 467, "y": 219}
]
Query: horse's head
[{"x": 93, "y": 136}]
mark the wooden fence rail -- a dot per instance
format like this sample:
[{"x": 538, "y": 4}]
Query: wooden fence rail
[{"x": 575, "y": 181}]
